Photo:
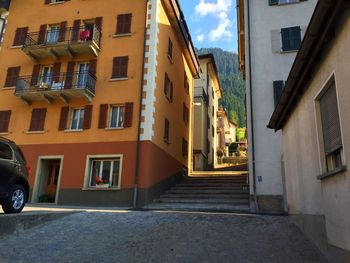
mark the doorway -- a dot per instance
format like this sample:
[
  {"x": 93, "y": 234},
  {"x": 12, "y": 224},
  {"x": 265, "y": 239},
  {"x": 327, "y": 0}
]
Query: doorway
[{"x": 47, "y": 180}]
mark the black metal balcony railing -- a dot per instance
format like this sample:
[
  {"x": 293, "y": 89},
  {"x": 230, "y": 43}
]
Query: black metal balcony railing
[
  {"x": 63, "y": 41},
  {"x": 199, "y": 92},
  {"x": 49, "y": 87},
  {"x": 4, "y": 4}
]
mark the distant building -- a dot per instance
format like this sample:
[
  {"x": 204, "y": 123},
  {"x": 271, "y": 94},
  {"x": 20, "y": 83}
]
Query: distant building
[
  {"x": 207, "y": 92},
  {"x": 270, "y": 34},
  {"x": 99, "y": 97},
  {"x": 313, "y": 114}
]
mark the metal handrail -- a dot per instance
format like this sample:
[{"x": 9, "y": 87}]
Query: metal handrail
[
  {"x": 50, "y": 82},
  {"x": 69, "y": 35}
]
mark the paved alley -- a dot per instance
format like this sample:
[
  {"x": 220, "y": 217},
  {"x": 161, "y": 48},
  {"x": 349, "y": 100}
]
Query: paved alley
[{"x": 129, "y": 236}]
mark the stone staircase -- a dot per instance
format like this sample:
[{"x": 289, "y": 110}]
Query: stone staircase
[{"x": 219, "y": 193}]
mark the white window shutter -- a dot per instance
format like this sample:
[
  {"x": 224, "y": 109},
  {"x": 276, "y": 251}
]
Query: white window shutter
[{"x": 276, "y": 42}]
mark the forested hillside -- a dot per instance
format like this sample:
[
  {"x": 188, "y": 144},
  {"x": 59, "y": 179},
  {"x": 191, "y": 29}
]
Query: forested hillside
[{"x": 232, "y": 83}]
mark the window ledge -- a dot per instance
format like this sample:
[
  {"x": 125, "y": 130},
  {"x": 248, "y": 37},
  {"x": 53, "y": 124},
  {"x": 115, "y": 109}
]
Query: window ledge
[
  {"x": 80, "y": 130},
  {"x": 118, "y": 79},
  {"x": 35, "y": 132},
  {"x": 332, "y": 173},
  {"x": 8, "y": 88},
  {"x": 113, "y": 129},
  {"x": 122, "y": 35},
  {"x": 4, "y": 133},
  {"x": 57, "y": 3},
  {"x": 101, "y": 189},
  {"x": 14, "y": 47},
  {"x": 289, "y": 51}
]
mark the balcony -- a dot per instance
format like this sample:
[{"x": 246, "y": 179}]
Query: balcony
[
  {"x": 63, "y": 42},
  {"x": 199, "y": 92},
  {"x": 64, "y": 87},
  {"x": 4, "y": 5}
]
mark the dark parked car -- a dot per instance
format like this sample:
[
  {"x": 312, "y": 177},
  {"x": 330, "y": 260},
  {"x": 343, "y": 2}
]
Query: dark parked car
[{"x": 14, "y": 186}]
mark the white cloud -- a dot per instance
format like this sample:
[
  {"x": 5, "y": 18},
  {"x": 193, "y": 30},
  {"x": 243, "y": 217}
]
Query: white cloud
[
  {"x": 220, "y": 10},
  {"x": 200, "y": 37}
]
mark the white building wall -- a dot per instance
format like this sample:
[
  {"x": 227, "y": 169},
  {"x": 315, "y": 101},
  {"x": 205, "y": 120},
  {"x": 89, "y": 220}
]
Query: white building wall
[{"x": 267, "y": 66}]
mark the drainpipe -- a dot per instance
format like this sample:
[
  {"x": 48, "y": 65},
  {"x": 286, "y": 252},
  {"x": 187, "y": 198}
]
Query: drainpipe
[
  {"x": 138, "y": 144},
  {"x": 252, "y": 143}
]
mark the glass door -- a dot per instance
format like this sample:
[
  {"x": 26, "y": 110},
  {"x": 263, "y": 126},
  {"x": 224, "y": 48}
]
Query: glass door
[
  {"x": 83, "y": 72},
  {"x": 52, "y": 34},
  {"x": 46, "y": 76}
]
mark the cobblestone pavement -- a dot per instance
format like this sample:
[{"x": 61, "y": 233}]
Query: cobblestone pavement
[{"x": 160, "y": 237}]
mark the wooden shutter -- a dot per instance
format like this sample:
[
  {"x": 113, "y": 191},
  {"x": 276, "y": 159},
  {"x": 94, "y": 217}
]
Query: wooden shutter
[
  {"x": 87, "y": 117},
  {"x": 63, "y": 118},
  {"x": 184, "y": 148},
  {"x": 291, "y": 38},
  {"x": 47, "y": 2},
  {"x": 56, "y": 71},
  {"x": 123, "y": 24},
  {"x": 35, "y": 75},
  {"x": 171, "y": 91},
  {"x": 102, "y": 122},
  {"x": 70, "y": 75},
  {"x": 20, "y": 36},
  {"x": 166, "y": 83},
  {"x": 4, "y": 120},
  {"x": 92, "y": 66},
  {"x": 184, "y": 112},
  {"x": 330, "y": 120},
  {"x": 42, "y": 34},
  {"x": 12, "y": 76},
  {"x": 98, "y": 23},
  {"x": 38, "y": 120},
  {"x": 120, "y": 67},
  {"x": 128, "y": 114},
  {"x": 63, "y": 31},
  {"x": 273, "y": 2},
  {"x": 277, "y": 90},
  {"x": 75, "y": 31},
  {"x": 170, "y": 48},
  {"x": 166, "y": 129}
]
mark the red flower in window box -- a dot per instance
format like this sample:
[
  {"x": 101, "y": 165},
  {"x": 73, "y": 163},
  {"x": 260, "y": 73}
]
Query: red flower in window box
[{"x": 99, "y": 180}]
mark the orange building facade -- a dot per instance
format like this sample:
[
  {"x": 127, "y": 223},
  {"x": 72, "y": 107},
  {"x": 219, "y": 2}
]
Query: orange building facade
[{"x": 98, "y": 96}]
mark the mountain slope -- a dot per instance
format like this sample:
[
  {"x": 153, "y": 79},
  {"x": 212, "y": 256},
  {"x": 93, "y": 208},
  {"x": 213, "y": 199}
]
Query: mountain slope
[{"x": 232, "y": 83}]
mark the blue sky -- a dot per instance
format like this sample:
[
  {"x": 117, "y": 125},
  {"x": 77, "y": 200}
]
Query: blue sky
[{"x": 213, "y": 23}]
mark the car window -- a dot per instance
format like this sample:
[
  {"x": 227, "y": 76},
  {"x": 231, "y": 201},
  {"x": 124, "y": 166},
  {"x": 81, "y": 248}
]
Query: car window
[{"x": 5, "y": 151}]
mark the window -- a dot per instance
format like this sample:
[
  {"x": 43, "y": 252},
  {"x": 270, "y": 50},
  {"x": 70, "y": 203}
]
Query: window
[
  {"x": 4, "y": 121},
  {"x": 104, "y": 173},
  {"x": 291, "y": 38},
  {"x": 170, "y": 49},
  {"x": 184, "y": 148},
  {"x": 331, "y": 131},
  {"x": 185, "y": 114},
  {"x": 186, "y": 83},
  {"x": 52, "y": 34},
  {"x": 2, "y": 27},
  {"x": 116, "y": 119},
  {"x": 5, "y": 151},
  {"x": 278, "y": 86},
  {"x": 123, "y": 24},
  {"x": 12, "y": 76},
  {"x": 20, "y": 36},
  {"x": 38, "y": 120},
  {"x": 120, "y": 67},
  {"x": 46, "y": 75},
  {"x": 77, "y": 119},
  {"x": 168, "y": 88},
  {"x": 166, "y": 131},
  {"x": 47, "y": 2}
]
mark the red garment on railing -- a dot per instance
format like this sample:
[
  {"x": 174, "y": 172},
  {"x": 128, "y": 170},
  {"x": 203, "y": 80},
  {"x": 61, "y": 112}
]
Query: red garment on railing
[{"x": 84, "y": 35}]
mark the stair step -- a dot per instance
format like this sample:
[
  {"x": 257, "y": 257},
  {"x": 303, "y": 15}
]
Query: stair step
[
  {"x": 211, "y": 191},
  {"x": 203, "y": 201},
  {"x": 205, "y": 196},
  {"x": 215, "y": 181},
  {"x": 210, "y": 188},
  {"x": 217, "y": 178},
  {"x": 199, "y": 207},
  {"x": 213, "y": 185}
]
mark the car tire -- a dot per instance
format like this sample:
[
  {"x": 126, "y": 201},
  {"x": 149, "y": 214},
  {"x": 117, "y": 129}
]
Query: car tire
[{"x": 16, "y": 200}]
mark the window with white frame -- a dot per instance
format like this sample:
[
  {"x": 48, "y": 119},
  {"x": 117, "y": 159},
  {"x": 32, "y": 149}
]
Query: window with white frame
[
  {"x": 330, "y": 124},
  {"x": 105, "y": 172},
  {"x": 77, "y": 119},
  {"x": 53, "y": 33},
  {"x": 282, "y": 2},
  {"x": 116, "y": 117}
]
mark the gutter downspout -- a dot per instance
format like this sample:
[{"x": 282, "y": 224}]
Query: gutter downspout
[
  {"x": 251, "y": 111},
  {"x": 138, "y": 144}
]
